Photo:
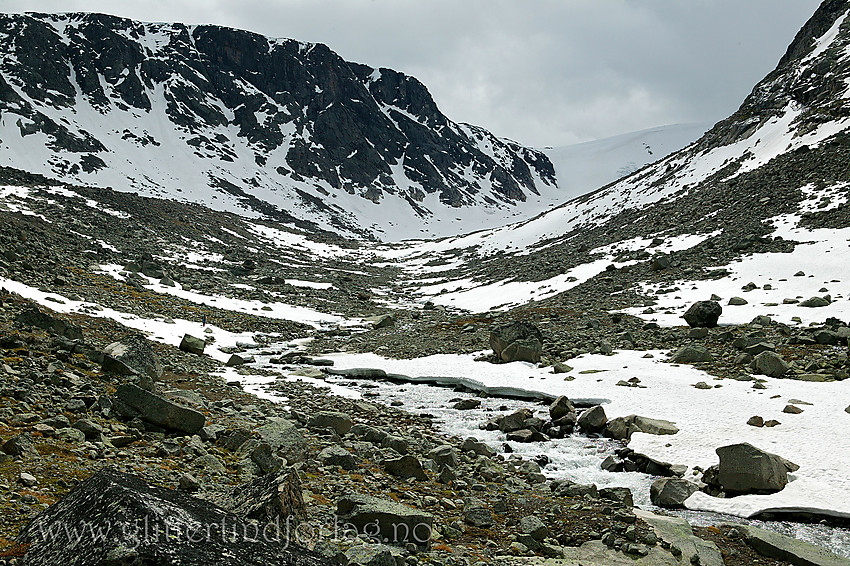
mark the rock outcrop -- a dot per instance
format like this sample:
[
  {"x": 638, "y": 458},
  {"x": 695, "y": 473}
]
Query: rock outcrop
[
  {"x": 301, "y": 121},
  {"x": 121, "y": 520}
]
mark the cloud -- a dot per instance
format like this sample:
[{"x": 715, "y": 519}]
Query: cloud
[{"x": 542, "y": 72}]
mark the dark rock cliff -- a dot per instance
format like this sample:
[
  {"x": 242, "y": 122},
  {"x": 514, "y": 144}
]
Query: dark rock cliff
[{"x": 247, "y": 111}]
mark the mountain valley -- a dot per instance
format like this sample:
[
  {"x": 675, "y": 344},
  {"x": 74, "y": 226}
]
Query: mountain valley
[{"x": 264, "y": 265}]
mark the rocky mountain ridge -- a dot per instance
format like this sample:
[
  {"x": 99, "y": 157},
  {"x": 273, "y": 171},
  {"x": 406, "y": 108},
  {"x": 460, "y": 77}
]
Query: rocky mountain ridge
[{"x": 241, "y": 122}]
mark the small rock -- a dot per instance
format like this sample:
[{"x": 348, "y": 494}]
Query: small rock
[
  {"x": 71, "y": 435},
  {"x": 560, "y": 367},
  {"x": 815, "y": 302},
  {"x": 405, "y": 467},
  {"x": 561, "y": 407},
  {"x": 188, "y": 482},
  {"x": 27, "y": 480},
  {"x": 478, "y": 516},
  {"x": 20, "y": 445},
  {"x": 593, "y": 419},
  {"x": 370, "y": 555},
  {"x": 338, "y": 456},
  {"x": 619, "y": 494},
  {"x": 756, "y": 421},
  {"x": 533, "y": 527},
  {"x": 383, "y": 321},
  {"x": 698, "y": 333},
  {"x": 467, "y": 404},
  {"x": 471, "y": 444},
  {"x": 518, "y": 341},
  {"x": 336, "y": 421}
]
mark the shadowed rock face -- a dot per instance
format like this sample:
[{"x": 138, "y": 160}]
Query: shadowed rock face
[
  {"x": 305, "y": 118},
  {"x": 130, "y": 520}
]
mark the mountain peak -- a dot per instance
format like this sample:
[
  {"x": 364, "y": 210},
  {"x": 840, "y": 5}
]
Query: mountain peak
[{"x": 242, "y": 122}]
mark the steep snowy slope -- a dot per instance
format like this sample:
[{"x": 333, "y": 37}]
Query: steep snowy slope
[
  {"x": 790, "y": 132},
  {"x": 585, "y": 167},
  {"x": 244, "y": 123}
]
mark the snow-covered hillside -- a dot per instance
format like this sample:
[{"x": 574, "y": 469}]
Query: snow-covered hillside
[
  {"x": 585, "y": 167},
  {"x": 258, "y": 126}
]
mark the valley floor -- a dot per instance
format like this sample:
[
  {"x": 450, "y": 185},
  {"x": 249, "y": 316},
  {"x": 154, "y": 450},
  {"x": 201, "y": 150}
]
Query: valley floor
[{"x": 280, "y": 299}]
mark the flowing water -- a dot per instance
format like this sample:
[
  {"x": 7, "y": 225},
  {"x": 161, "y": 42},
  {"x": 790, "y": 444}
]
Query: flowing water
[{"x": 576, "y": 458}]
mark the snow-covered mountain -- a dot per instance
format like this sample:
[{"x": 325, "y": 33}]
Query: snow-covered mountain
[
  {"x": 787, "y": 141},
  {"x": 245, "y": 123},
  {"x": 585, "y": 167}
]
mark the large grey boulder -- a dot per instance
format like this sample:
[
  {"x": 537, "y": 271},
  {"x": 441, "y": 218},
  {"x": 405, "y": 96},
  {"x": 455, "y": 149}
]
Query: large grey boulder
[
  {"x": 192, "y": 344},
  {"x": 132, "y": 401},
  {"x": 770, "y": 364},
  {"x": 390, "y": 521},
  {"x": 593, "y": 419},
  {"x": 703, "y": 314},
  {"x": 340, "y": 423},
  {"x": 622, "y": 428},
  {"x": 691, "y": 354},
  {"x": 745, "y": 469},
  {"x": 132, "y": 355},
  {"x": 269, "y": 499},
  {"x": 671, "y": 492},
  {"x": 110, "y": 499},
  {"x": 285, "y": 438},
  {"x": 518, "y": 341}
]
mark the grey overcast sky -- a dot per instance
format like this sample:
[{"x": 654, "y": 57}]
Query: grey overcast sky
[{"x": 542, "y": 72}]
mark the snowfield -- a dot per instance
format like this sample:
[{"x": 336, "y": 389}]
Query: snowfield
[
  {"x": 816, "y": 439},
  {"x": 810, "y": 270}
]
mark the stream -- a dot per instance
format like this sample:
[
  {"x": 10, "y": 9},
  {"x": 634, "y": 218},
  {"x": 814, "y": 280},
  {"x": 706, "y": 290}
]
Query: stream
[{"x": 576, "y": 458}]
